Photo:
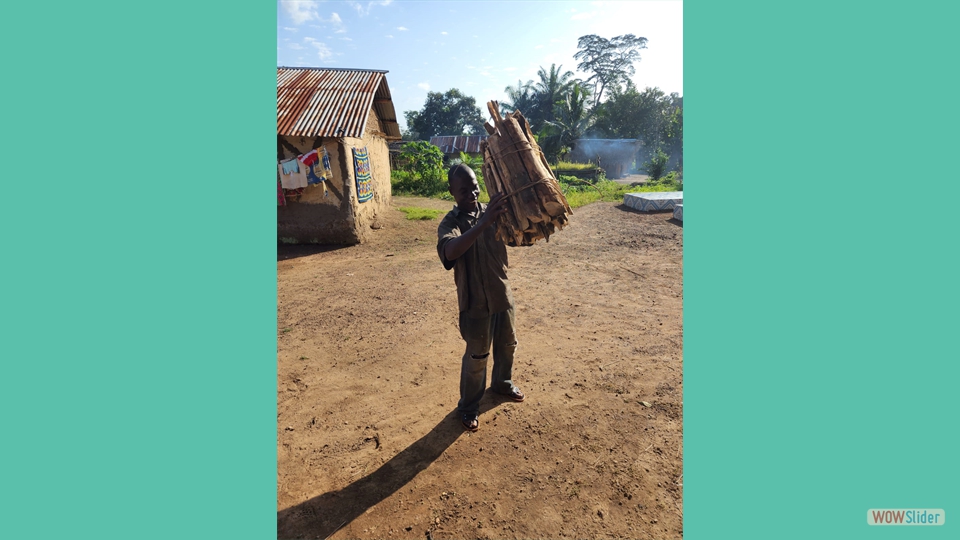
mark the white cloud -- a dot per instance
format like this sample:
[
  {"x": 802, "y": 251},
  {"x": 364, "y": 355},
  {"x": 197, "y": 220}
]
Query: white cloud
[
  {"x": 389, "y": 36},
  {"x": 308, "y": 39},
  {"x": 345, "y": 39},
  {"x": 582, "y": 16},
  {"x": 424, "y": 86},
  {"x": 296, "y": 46},
  {"x": 538, "y": 47},
  {"x": 402, "y": 28},
  {"x": 443, "y": 33},
  {"x": 333, "y": 23},
  {"x": 365, "y": 10},
  {"x": 289, "y": 29},
  {"x": 323, "y": 51},
  {"x": 510, "y": 69},
  {"x": 301, "y": 11}
]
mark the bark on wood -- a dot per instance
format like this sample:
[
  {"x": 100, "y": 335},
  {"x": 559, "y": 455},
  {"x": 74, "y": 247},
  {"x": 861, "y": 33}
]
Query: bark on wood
[{"x": 513, "y": 164}]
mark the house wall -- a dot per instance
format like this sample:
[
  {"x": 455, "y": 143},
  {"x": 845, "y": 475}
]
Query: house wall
[
  {"x": 335, "y": 216},
  {"x": 368, "y": 213}
]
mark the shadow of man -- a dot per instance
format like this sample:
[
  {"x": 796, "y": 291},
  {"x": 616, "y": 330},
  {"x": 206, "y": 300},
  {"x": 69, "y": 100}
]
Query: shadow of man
[{"x": 323, "y": 515}]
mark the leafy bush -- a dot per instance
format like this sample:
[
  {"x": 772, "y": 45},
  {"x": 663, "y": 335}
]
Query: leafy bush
[
  {"x": 421, "y": 171},
  {"x": 657, "y": 165},
  {"x": 579, "y": 192},
  {"x": 672, "y": 181}
]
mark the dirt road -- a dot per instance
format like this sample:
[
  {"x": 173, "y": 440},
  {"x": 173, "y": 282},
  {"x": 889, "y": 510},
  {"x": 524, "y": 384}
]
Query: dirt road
[{"x": 369, "y": 445}]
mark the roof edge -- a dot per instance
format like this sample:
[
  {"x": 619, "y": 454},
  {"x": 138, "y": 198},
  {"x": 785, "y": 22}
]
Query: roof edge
[{"x": 335, "y": 69}]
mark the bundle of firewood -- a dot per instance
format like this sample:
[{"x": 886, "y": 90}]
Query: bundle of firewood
[{"x": 513, "y": 164}]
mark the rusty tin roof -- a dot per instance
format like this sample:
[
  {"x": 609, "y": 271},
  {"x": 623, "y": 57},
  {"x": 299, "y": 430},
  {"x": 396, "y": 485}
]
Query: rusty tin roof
[
  {"x": 332, "y": 102},
  {"x": 450, "y": 144}
]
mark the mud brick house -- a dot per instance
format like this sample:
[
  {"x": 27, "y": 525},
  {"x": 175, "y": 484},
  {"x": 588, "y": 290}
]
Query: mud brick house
[{"x": 340, "y": 111}]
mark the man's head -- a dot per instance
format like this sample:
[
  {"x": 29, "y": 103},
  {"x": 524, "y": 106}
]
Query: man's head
[{"x": 463, "y": 186}]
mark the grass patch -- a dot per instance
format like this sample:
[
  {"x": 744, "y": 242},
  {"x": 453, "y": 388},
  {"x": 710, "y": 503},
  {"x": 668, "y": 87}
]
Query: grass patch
[
  {"x": 569, "y": 166},
  {"x": 580, "y": 193},
  {"x": 416, "y": 213}
]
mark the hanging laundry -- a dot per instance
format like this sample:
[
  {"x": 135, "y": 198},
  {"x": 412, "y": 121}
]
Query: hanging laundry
[
  {"x": 292, "y": 194},
  {"x": 309, "y": 158},
  {"x": 291, "y": 166},
  {"x": 295, "y": 179},
  {"x": 320, "y": 171},
  {"x": 281, "y": 200},
  {"x": 326, "y": 163},
  {"x": 361, "y": 161}
]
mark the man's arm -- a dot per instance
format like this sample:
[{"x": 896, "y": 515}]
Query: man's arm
[{"x": 459, "y": 245}]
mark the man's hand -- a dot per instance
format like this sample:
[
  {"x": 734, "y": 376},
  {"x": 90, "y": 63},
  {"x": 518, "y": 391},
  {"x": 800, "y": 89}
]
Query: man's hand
[
  {"x": 459, "y": 245},
  {"x": 498, "y": 205}
]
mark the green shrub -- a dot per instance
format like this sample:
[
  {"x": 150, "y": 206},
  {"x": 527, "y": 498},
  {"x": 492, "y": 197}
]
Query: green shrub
[
  {"x": 579, "y": 192},
  {"x": 657, "y": 165},
  {"x": 421, "y": 170}
]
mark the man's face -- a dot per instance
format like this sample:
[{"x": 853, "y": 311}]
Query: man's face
[{"x": 465, "y": 190}]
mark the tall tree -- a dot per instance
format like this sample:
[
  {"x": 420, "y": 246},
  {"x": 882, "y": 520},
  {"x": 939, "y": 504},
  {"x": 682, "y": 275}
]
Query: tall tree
[
  {"x": 573, "y": 120},
  {"x": 519, "y": 98},
  {"x": 609, "y": 60},
  {"x": 551, "y": 90},
  {"x": 450, "y": 113}
]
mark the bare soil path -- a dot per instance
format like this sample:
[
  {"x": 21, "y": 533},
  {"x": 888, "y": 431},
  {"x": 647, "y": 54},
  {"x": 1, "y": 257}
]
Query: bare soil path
[{"x": 368, "y": 442}]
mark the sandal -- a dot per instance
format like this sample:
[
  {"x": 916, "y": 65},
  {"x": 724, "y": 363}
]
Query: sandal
[
  {"x": 470, "y": 421},
  {"x": 515, "y": 395}
]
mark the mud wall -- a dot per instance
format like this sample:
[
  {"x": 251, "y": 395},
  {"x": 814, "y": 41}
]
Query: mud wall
[
  {"x": 329, "y": 212},
  {"x": 368, "y": 213}
]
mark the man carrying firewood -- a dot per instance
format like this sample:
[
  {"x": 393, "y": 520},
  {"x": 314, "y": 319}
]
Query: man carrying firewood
[{"x": 467, "y": 243}]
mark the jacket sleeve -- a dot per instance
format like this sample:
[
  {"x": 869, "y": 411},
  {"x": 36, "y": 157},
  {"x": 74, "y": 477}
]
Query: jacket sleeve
[{"x": 447, "y": 231}]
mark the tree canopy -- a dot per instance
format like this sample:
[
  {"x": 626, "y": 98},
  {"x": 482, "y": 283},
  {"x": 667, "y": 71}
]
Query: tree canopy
[
  {"x": 449, "y": 113},
  {"x": 609, "y": 60}
]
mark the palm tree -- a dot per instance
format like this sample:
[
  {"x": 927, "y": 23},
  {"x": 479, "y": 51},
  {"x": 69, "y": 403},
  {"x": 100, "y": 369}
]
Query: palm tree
[
  {"x": 519, "y": 98},
  {"x": 573, "y": 120},
  {"x": 550, "y": 91}
]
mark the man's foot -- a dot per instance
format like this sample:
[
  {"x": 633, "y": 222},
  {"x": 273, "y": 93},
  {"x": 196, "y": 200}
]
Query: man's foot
[
  {"x": 515, "y": 395},
  {"x": 470, "y": 421}
]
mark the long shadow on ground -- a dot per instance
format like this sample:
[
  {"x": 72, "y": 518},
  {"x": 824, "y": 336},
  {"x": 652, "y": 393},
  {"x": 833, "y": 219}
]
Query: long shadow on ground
[
  {"x": 294, "y": 251},
  {"x": 323, "y": 515}
]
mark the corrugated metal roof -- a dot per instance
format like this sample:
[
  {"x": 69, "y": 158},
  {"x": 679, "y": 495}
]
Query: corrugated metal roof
[
  {"x": 332, "y": 102},
  {"x": 460, "y": 143}
]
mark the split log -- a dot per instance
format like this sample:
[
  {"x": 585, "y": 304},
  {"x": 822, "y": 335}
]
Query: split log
[{"x": 514, "y": 164}]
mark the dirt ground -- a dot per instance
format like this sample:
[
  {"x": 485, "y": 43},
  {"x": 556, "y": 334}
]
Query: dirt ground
[{"x": 368, "y": 441}]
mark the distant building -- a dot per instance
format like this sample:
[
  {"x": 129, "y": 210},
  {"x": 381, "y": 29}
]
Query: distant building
[
  {"x": 338, "y": 110},
  {"x": 452, "y": 145},
  {"x": 615, "y": 156}
]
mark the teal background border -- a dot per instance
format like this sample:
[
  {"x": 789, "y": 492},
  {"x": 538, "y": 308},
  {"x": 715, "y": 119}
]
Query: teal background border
[
  {"x": 820, "y": 372},
  {"x": 139, "y": 335},
  {"x": 139, "y": 291}
]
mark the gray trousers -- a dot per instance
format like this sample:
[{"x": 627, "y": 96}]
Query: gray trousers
[{"x": 479, "y": 335}]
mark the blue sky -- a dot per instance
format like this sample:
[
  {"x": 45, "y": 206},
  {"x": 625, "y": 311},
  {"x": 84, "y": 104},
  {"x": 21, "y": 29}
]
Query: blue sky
[{"x": 477, "y": 47}]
